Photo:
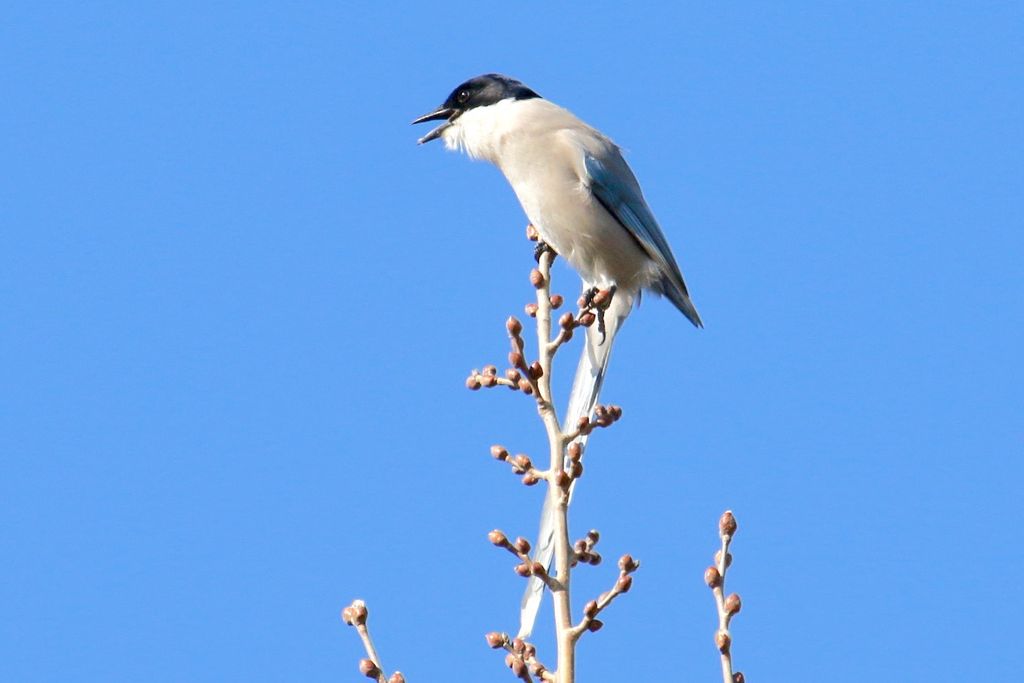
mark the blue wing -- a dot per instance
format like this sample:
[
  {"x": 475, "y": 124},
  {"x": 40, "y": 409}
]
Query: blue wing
[{"x": 618, "y": 191}]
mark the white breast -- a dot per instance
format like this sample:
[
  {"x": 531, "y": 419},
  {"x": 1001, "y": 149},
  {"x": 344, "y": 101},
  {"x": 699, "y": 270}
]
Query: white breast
[{"x": 540, "y": 148}]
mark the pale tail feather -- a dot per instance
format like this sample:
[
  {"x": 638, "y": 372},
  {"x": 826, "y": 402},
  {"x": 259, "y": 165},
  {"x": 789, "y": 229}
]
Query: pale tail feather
[{"x": 586, "y": 387}]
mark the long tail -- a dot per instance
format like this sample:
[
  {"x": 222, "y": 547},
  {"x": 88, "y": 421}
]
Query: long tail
[{"x": 586, "y": 387}]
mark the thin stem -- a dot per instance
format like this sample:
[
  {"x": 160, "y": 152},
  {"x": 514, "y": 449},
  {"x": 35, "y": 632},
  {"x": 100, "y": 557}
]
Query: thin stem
[{"x": 371, "y": 651}]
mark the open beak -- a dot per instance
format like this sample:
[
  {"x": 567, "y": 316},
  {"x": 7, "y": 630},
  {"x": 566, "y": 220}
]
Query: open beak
[{"x": 444, "y": 113}]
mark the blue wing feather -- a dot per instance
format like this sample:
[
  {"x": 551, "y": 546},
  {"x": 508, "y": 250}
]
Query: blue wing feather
[{"x": 619, "y": 193}]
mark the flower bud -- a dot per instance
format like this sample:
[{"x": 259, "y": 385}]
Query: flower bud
[
  {"x": 536, "y": 278},
  {"x": 723, "y": 641},
  {"x": 355, "y": 614},
  {"x": 602, "y": 297},
  {"x": 498, "y": 452},
  {"x": 576, "y": 471},
  {"x": 556, "y": 301},
  {"x": 538, "y": 569},
  {"x": 513, "y": 325},
  {"x": 628, "y": 564},
  {"x": 526, "y": 387},
  {"x": 536, "y": 371},
  {"x": 728, "y": 558},
  {"x": 531, "y": 233},
  {"x": 498, "y": 538},
  {"x": 516, "y": 360},
  {"x": 521, "y": 545},
  {"x": 531, "y": 310},
  {"x": 594, "y": 559},
  {"x": 496, "y": 640},
  {"x": 397, "y": 677},
  {"x": 624, "y": 583},
  {"x": 516, "y": 663},
  {"x": 595, "y": 625},
  {"x": 562, "y": 479},
  {"x": 488, "y": 381},
  {"x": 368, "y": 668},
  {"x": 587, "y": 319},
  {"x": 523, "y": 569},
  {"x": 727, "y": 524},
  {"x": 590, "y": 609},
  {"x": 513, "y": 376},
  {"x": 579, "y": 546},
  {"x": 712, "y": 578},
  {"x": 566, "y": 321},
  {"x": 518, "y": 645},
  {"x": 575, "y": 451},
  {"x": 738, "y": 677},
  {"x": 472, "y": 383},
  {"x": 732, "y": 604},
  {"x": 490, "y": 370},
  {"x": 593, "y": 536},
  {"x": 530, "y": 479},
  {"x": 522, "y": 462}
]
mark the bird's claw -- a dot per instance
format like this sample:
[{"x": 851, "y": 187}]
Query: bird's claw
[{"x": 542, "y": 247}]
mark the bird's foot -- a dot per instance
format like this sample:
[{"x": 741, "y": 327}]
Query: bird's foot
[
  {"x": 542, "y": 247},
  {"x": 601, "y": 307}
]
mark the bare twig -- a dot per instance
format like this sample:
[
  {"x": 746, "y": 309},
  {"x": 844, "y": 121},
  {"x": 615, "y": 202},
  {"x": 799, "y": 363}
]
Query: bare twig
[
  {"x": 565, "y": 453},
  {"x": 356, "y": 615},
  {"x": 728, "y": 607}
]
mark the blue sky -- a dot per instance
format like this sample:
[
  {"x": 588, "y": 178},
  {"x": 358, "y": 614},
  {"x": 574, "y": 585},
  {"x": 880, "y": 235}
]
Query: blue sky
[{"x": 238, "y": 304}]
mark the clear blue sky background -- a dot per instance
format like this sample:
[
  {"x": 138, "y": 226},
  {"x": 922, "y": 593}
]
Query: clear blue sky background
[{"x": 237, "y": 305}]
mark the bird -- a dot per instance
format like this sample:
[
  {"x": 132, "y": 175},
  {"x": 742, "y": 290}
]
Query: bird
[{"x": 586, "y": 204}]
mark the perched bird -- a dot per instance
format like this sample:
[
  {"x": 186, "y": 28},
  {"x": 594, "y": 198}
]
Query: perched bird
[{"x": 586, "y": 204}]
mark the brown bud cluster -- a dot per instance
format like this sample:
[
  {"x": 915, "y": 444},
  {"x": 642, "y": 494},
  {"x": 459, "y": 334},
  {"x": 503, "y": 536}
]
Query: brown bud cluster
[
  {"x": 368, "y": 668},
  {"x": 604, "y": 416},
  {"x": 516, "y": 663},
  {"x": 627, "y": 564},
  {"x": 583, "y": 549},
  {"x": 521, "y": 463},
  {"x": 355, "y": 614}
]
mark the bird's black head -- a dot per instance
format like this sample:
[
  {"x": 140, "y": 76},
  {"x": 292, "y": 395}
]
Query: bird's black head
[{"x": 476, "y": 92}]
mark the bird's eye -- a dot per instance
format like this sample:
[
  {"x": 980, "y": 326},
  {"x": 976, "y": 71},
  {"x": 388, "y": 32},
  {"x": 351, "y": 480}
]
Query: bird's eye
[{"x": 463, "y": 96}]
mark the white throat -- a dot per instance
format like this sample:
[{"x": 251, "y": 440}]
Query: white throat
[{"x": 481, "y": 131}]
